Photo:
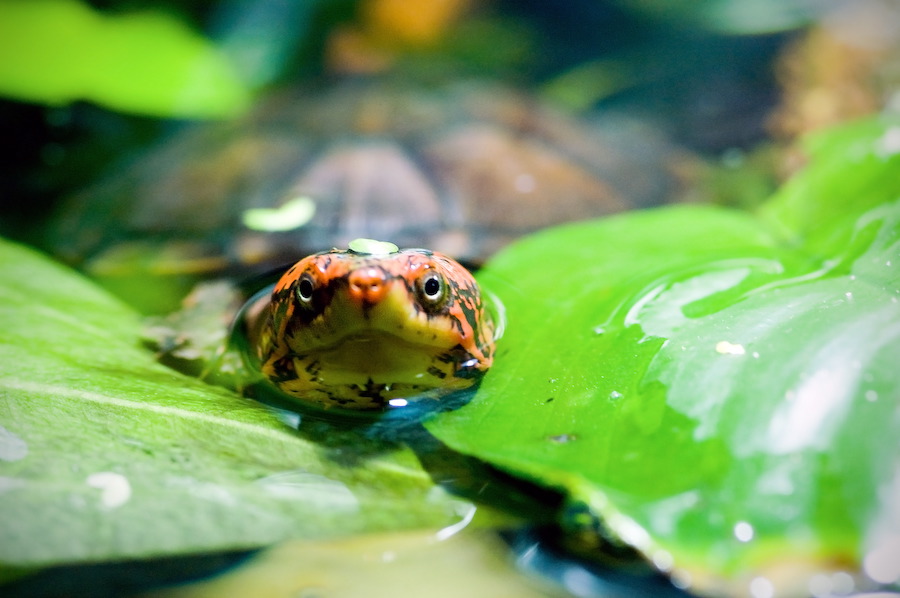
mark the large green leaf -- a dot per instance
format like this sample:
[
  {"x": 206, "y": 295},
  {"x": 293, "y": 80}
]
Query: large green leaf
[
  {"x": 106, "y": 455},
  {"x": 722, "y": 388}
]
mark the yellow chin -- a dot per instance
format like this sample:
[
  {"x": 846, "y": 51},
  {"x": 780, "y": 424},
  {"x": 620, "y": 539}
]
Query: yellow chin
[
  {"x": 367, "y": 371},
  {"x": 380, "y": 357},
  {"x": 363, "y": 358}
]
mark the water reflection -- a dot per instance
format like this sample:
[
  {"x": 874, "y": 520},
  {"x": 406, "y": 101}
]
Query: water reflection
[
  {"x": 634, "y": 578},
  {"x": 311, "y": 489}
]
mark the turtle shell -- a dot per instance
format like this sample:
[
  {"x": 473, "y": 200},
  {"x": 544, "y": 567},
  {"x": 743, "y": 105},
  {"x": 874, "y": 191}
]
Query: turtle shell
[{"x": 461, "y": 168}]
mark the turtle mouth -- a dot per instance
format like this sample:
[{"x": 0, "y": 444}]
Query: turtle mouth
[
  {"x": 395, "y": 318},
  {"x": 374, "y": 338}
]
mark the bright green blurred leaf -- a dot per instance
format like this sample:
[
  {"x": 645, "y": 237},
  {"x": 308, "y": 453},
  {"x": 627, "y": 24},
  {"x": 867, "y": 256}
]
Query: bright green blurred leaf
[
  {"x": 59, "y": 51},
  {"x": 107, "y": 455},
  {"x": 723, "y": 389},
  {"x": 291, "y": 215}
]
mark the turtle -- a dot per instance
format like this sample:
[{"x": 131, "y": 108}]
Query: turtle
[
  {"x": 462, "y": 168},
  {"x": 370, "y": 328}
]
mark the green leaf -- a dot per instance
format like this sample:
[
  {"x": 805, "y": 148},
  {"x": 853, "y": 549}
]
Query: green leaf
[
  {"x": 59, "y": 51},
  {"x": 721, "y": 388},
  {"x": 107, "y": 455}
]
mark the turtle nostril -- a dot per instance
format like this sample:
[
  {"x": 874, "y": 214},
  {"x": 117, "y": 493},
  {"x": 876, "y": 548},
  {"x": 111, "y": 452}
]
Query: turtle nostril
[{"x": 367, "y": 284}]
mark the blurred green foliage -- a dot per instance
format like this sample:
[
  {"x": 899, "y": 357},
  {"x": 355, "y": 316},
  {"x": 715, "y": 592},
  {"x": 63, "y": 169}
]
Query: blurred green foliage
[{"x": 59, "y": 51}]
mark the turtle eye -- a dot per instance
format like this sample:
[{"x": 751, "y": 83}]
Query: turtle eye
[
  {"x": 432, "y": 289},
  {"x": 305, "y": 288}
]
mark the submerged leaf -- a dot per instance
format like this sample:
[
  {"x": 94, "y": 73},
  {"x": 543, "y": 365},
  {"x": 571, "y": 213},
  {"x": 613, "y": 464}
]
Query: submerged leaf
[
  {"x": 107, "y": 455},
  {"x": 375, "y": 566},
  {"x": 721, "y": 388}
]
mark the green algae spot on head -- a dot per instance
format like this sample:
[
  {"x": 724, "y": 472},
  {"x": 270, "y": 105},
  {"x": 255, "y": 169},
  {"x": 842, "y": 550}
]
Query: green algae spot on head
[{"x": 372, "y": 247}]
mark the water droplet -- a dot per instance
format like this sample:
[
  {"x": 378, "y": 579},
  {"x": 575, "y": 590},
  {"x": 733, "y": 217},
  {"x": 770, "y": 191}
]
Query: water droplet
[
  {"x": 761, "y": 587},
  {"x": 756, "y": 355},
  {"x": 726, "y": 348},
  {"x": 881, "y": 564},
  {"x": 842, "y": 583},
  {"x": 629, "y": 531},
  {"x": 288, "y": 418},
  {"x": 887, "y": 263},
  {"x": 114, "y": 488},
  {"x": 398, "y": 402},
  {"x": 615, "y": 395},
  {"x": 888, "y": 144},
  {"x": 663, "y": 560},
  {"x": 743, "y": 531},
  {"x": 12, "y": 447},
  {"x": 599, "y": 329},
  {"x": 871, "y": 395},
  {"x": 681, "y": 579},
  {"x": 562, "y": 438},
  {"x": 849, "y": 296},
  {"x": 552, "y": 380}
]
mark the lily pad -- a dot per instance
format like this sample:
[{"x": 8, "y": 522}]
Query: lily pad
[
  {"x": 721, "y": 387},
  {"x": 107, "y": 455}
]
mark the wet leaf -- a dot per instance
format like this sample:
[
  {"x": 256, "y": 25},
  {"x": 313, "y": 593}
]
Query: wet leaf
[
  {"x": 722, "y": 388},
  {"x": 107, "y": 455}
]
